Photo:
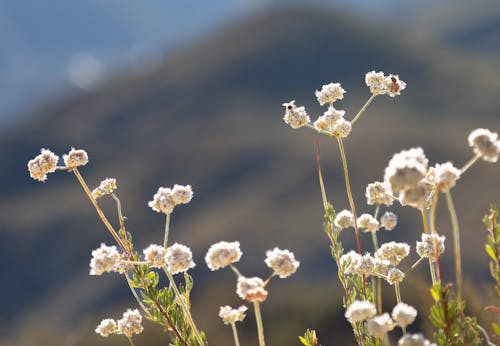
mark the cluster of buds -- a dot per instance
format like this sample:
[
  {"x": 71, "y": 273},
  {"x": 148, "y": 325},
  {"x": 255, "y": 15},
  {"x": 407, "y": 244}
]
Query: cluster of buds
[
  {"x": 381, "y": 84},
  {"x": 128, "y": 325},
  {"x": 46, "y": 162},
  {"x": 166, "y": 199},
  {"x": 366, "y": 222}
]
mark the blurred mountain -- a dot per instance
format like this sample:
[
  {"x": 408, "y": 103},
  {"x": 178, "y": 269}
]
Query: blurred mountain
[{"x": 210, "y": 116}]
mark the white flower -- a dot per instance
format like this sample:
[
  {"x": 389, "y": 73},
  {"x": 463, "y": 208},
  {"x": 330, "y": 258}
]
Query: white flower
[
  {"x": 349, "y": 261},
  {"x": 104, "y": 259},
  {"x": 389, "y": 220},
  {"x": 106, "y": 327},
  {"x": 75, "y": 158},
  {"x": 230, "y": 315},
  {"x": 222, "y": 254},
  {"x": 430, "y": 244},
  {"x": 446, "y": 176},
  {"x": 182, "y": 194},
  {"x": 344, "y": 219},
  {"x": 404, "y": 314},
  {"x": 43, "y": 164},
  {"x": 381, "y": 267},
  {"x": 395, "y": 276},
  {"x": 155, "y": 255},
  {"x": 295, "y": 116},
  {"x": 179, "y": 259},
  {"x": 394, "y": 85},
  {"x": 416, "y": 196},
  {"x": 106, "y": 187},
  {"x": 328, "y": 120},
  {"x": 368, "y": 223},
  {"x": 376, "y": 82},
  {"x": 330, "y": 93},
  {"x": 251, "y": 289},
  {"x": 163, "y": 201},
  {"x": 365, "y": 265},
  {"x": 379, "y": 193},
  {"x": 379, "y": 325},
  {"x": 342, "y": 128},
  {"x": 414, "y": 340},
  {"x": 282, "y": 262},
  {"x": 130, "y": 323},
  {"x": 393, "y": 252},
  {"x": 406, "y": 169},
  {"x": 485, "y": 143},
  {"x": 360, "y": 310}
]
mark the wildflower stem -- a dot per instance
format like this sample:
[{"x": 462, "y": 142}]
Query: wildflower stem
[
  {"x": 377, "y": 292},
  {"x": 99, "y": 211},
  {"x": 235, "y": 334},
  {"x": 363, "y": 109},
  {"x": 433, "y": 211},
  {"x": 424, "y": 220},
  {"x": 130, "y": 341},
  {"x": 134, "y": 293},
  {"x": 433, "y": 272},
  {"x": 167, "y": 229},
  {"x": 469, "y": 164},
  {"x": 456, "y": 245},
  {"x": 119, "y": 211},
  {"x": 184, "y": 307},
  {"x": 415, "y": 265},
  {"x": 260, "y": 327},
  {"x": 320, "y": 175},
  {"x": 235, "y": 270},
  {"x": 398, "y": 292}
]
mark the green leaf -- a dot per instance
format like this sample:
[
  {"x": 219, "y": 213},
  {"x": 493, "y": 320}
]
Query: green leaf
[
  {"x": 490, "y": 252},
  {"x": 496, "y": 328},
  {"x": 303, "y": 341}
]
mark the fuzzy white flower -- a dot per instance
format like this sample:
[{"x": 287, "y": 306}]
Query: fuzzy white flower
[
  {"x": 179, "y": 258},
  {"x": 130, "y": 323},
  {"x": 283, "y": 262},
  {"x": 414, "y": 340},
  {"x": 395, "y": 276},
  {"x": 379, "y": 193},
  {"x": 222, "y": 254},
  {"x": 394, "y": 85},
  {"x": 416, "y": 196},
  {"x": 379, "y": 325},
  {"x": 230, "y": 315},
  {"x": 327, "y": 121},
  {"x": 41, "y": 165},
  {"x": 330, "y": 93},
  {"x": 406, "y": 169},
  {"x": 446, "y": 176},
  {"x": 376, "y": 82},
  {"x": 381, "y": 267},
  {"x": 365, "y": 265},
  {"x": 251, "y": 289},
  {"x": 344, "y": 219},
  {"x": 389, "y": 220},
  {"x": 368, "y": 223},
  {"x": 485, "y": 143},
  {"x": 163, "y": 201},
  {"x": 106, "y": 187},
  {"x": 75, "y": 158},
  {"x": 430, "y": 245},
  {"x": 106, "y": 327},
  {"x": 349, "y": 261},
  {"x": 404, "y": 314},
  {"x": 104, "y": 259},
  {"x": 360, "y": 310},
  {"x": 182, "y": 194},
  {"x": 342, "y": 128},
  {"x": 295, "y": 116},
  {"x": 393, "y": 252},
  {"x": 155, "y": 255}
]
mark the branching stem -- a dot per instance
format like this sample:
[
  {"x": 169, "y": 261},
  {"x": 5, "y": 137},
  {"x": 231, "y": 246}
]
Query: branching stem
[{"x": 260, "y": 326}]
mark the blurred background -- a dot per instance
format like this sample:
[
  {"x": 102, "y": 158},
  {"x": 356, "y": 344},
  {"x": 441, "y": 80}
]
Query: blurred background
[{"x": 190, "y": 92}]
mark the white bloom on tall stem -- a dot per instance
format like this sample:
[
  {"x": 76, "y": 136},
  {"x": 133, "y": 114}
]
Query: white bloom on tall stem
[
  {"x": 395, "y": 276},
  {"x": 365, "y": 265},
  {"x": 404, "y": 314},
  {"x": 163, "y": 201},
  {"x": 379, "y": 193},
  {"x": 360, "y": 310},
  {"x": 344, "y": 219},
  {"x": 106, "y": 187},
  {"x": 130, "y": 323},
  {"x": 230, "y": 315},
  {"x": 182, "y": 194},
  {"x": 155, "y": 255},
  {"x": 349, "y": 261},
  {"x": 342, "y": 128},
  {"x": 41, "y": 165},
  {"x": 416, "y": 196},
  {"x": 389, "y": 220},
  {"x": 431, "y": 245},
  {"x": 368, "y": 223},
  {"x": 295, "y": 116},
  {"x": 179, "y": 259},
  {"x": 376, "y": 82},
  {"x": 283, "y": 262},
  {"x": 222, "y": 254},
  {"x": 406, "y": 169},
  {"x": 327, "y": 121},
  {"x": 393, "y": 252},
  {"x": 330, "y": 93},
  {"x": 446, "y": 176},
  {"x": 251, "y": 289},
  {"x": 485, "y": 143},
  {"x": 414, "y": 340},
  {"x": 394, "y": 85},
  {"x": 75, "y": 158},
  {"x": 379, "y": 325},
  {"x": 106, "y": 327},
  {"x": 104, "y": 259}
]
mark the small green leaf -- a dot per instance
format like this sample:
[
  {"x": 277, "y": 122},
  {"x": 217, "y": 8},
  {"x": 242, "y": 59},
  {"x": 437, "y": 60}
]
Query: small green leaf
[
  {"x": 496, "y": 328},
  {"x": 490, "y": 252}
]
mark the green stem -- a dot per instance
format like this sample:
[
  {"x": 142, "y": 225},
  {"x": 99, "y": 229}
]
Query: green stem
[
  {"x": 363, "y": 109},
  {"x": 235, "y": 270},
  {"x": 469, "y": 164},
  {"x": 424, "y": 221},
  {"x": 167, "y": 229},
  {"x": 235, "y": 334},
  {"x": 433, "y": 272},
  {"x": 433, "y": 211},
  {"x": 414, "y": 265},
  {"x": 320, "y": 175},
  {"x": 119, "y": 210},
  {"x": 398, "y": 292},
  {"x": 134, "y": 293},
  {"x": 378, "y": 291},
  {"x": 183, "y": 304},
  {"x": 456, "y": 245},
  {"x": 260, "y": 327},
  {"x": 130, "y": 341}
]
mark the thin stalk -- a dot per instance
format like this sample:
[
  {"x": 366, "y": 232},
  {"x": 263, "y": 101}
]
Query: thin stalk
[
  {"x": 131, "y": 342},
  {"x": 378, "y": 292},
  {"x": 433, "y": 272},
  {"x": 414, "y": 265},
  {"x": 134, "y": 293},
  {"x": 320, "y": 175},
  {"x": 119, "y": 211},
  {"x": 235, "y": 335},
  {"x": 167, "y": 229},
  {"x": 260, "y": 327},
  {"x": 424, "y": 221},
  {"x": 433, "y": 211},
  {"x": 235, "y": 270},
  {"x": 184, "y": 306},
  {"x": 363, "y": 109},
  {"x": 398, "y": 292},
  {"x": 99, "y": 211},
  {"x": 469, "y": 164},
  {"x": 456, "y": 245}
]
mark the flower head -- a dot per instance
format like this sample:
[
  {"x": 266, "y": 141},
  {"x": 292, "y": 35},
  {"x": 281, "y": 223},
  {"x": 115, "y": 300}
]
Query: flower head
[
  {"x": 394, "y": 85},
  {"x": 393, "y": 252},
  {"x": 104, "y": 259},
  {"x": 283, "y": 262},
  {"x": 179, "y": 258},
  {"x": 155, "y": 255},
  {"x": 295, "y": 116},
  {"x": 376, "y": 82},
  {"x": 360, "y": 310},
  {"x": 106, "y": 327},
  {"x": 251, "y": 289},
  {"x": 106, "y": 187},
  {"x": 327, "y": 122},
  {"x": 485, "y": 143},
  {"x": 349, "y": 262},
  {"x": 431, "y": 245},
  {"x": 395, "y": 276},
  {"x": 379, "y": 193},
  {"x": 368, "y": 223},
  {"x": 344, "y": 219},
  {"x": 414, "y": 340},
  {"x": 446, "y": 176},
  {"x": 406, "y": 169},
  {"x": 389, "y": 220},
  {"x": 416, "y": 196},
  {"x": 330, "y": 93},
  {"x": 342, "y": 128},
  {"x": 230, "y": 315},
  {"x": 379, "y": 325},
  {"x": 182, "y": 194},
  {"x": 404, "y": 314},
  {"x": 75, "y": 158},
  {"x": 130, "y": 323},
  {"x": 43, "y": 164},
  {"x": 222, "y": 254},
  {"x": 163, "y": 201},
  {"x": 364, "y": 266}
]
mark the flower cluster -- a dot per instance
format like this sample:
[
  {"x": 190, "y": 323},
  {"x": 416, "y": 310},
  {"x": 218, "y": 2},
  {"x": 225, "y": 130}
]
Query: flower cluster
[
  {"x": 485, "y": 144},
  {"x": 106, "y": 187},
  {"x": 222, "y": 254},
  {"x": 128, "y": 325},
  {"x": 283, "y": 262},
  {"x": 104, "y": 259},
  {"x": 431, "y": 246},
  {"x": 165, "y": 199},
  {"x": 230, "y": 315},
  {"x": 43, "y": 164},
  {"x": 380, "y": 84},
  {"x": 75, "y": 158}
]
